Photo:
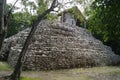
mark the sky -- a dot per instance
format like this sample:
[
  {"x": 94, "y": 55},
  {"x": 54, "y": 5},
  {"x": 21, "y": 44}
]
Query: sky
[
  {"x": 12, "y": 2},
  {"x": 62, "y": 1}
]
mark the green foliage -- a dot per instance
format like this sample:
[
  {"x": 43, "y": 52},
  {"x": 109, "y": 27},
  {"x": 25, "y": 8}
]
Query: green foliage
[
  {"x": 24, "y": 19},
  {"x": 117, "y": 72},
  {"x": 4, "y": 66},
  {"x": 42, "y": 6},
  {"x": 51, "y": 16},
  {"x": 27, "y": 78},
  {"x": 19, "y": 22},
  {"x": 104, "y": 19},
  {"x": 77, "y": 14}
]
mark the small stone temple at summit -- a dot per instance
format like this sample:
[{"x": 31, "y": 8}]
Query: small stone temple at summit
[{"x": 72, "y": 16}]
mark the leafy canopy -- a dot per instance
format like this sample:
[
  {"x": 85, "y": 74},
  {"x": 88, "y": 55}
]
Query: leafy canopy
[{"x": 104, "y": 22}]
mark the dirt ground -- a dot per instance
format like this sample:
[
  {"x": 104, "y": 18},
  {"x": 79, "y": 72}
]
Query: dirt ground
[{"x": 96, "y": 73}]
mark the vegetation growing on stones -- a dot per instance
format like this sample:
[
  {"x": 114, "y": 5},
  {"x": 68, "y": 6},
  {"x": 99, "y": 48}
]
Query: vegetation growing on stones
[{"x": 80, "y": 18}]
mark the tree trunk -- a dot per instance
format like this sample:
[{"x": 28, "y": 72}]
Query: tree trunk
[
  {"x": 2, "y": 26},
  {"x": 18, "y": 68}
]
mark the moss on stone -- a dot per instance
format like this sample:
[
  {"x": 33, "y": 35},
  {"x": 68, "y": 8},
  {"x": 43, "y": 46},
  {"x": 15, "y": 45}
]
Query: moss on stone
[{"x": 76, "y": 13}]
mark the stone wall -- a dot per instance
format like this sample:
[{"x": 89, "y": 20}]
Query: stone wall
[{"x": 57, "y": 46}]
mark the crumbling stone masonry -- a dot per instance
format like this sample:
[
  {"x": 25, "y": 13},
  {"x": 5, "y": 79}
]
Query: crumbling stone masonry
[{"x": 56, "y": 46}]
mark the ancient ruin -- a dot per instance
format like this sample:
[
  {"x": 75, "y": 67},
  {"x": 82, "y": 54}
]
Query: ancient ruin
[
  {"x": 57, "y": 46},
  {"x": 72, "y": 16}
]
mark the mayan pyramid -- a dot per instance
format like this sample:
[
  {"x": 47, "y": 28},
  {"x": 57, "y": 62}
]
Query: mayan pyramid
[{"x": 57, "y": 46}]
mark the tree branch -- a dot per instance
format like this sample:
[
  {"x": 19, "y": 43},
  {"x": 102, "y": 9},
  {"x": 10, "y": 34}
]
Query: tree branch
[
  {"x": 18, "y": 68},
  {"x": 2, "y": 26}
]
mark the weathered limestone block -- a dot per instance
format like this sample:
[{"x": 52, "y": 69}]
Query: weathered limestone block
[
  {"x": 5, "y": 51},
  {"x": 56, "y": 46}
]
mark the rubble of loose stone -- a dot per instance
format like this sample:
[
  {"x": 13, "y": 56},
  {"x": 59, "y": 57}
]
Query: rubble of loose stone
[{"x": 57, "y": 46}]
